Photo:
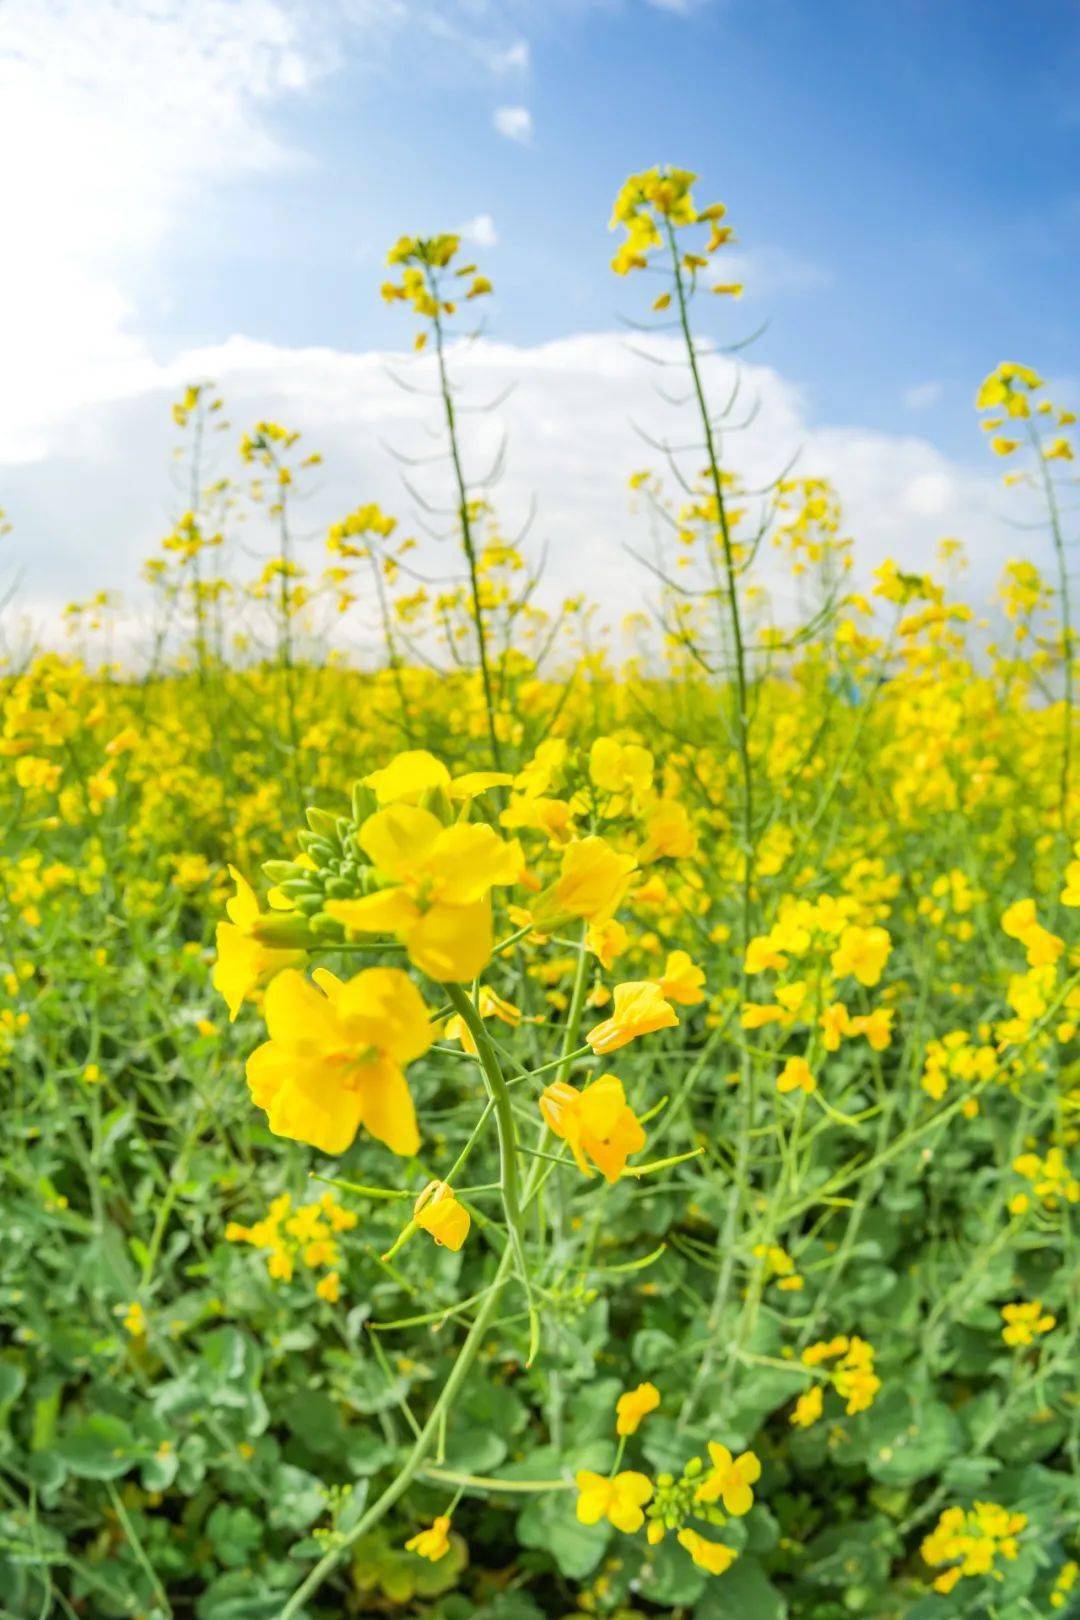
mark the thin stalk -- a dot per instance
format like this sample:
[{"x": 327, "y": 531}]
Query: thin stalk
[
  {"x": 466, "y": 523},
  {"x": 509, "y": 1179}
]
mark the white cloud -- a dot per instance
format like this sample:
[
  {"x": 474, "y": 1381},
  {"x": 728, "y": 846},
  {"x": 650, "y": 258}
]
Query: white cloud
[
  {"x": 570, "y": 446},
  {"x": 112, "y": 116},
  {"x": 513, "y": 59},
  {"x": 480, "y": 231},
  {"x": 923, "y": 395},
  {"x": 514, "y": 122}
]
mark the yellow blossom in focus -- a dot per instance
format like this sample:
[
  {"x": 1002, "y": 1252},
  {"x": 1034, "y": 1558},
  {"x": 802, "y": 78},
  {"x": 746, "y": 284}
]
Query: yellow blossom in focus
[
  {"x": 619, "y": 1500},
  {"x": 639, "y": 1009},
  {"x": 335, "y": 1058},
  {"x": 432, "y": 1543},
  {"x": 634, "y": 1405},
  {"x": 597, "y": 1123}
]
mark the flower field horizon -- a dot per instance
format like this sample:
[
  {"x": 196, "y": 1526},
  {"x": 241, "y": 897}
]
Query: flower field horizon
[{"x": 528, "y": 1131}]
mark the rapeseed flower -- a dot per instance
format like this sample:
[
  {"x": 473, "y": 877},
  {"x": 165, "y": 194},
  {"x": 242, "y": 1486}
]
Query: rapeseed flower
[{"x": 335, "y": 1058}]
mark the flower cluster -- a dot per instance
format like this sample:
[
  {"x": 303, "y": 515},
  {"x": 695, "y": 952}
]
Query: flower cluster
[
  {"x": 971, "y": 1541},
  {"x": 710, "y": 1493},
  {"x": 851, "y": 1375},
  {"x": 305, "y": 1233}
]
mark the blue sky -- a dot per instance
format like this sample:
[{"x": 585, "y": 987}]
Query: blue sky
[
  {"x": 207, "y": 188},
  {"x": 904, "y": 179}
]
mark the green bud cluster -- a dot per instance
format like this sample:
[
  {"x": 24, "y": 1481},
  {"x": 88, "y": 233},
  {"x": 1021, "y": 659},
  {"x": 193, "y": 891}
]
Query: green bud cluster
[
  {"x": 341, "y": 870},
  {"x": 568, "y": 1303},
  {"x": 674, "y": 1502}
]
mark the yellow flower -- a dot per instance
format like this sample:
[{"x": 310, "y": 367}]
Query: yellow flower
[
  {"x": 808, "y": 1407},
  {"x": 593, "y": 879},
  {"x": 597, "y": 1123},
  {"x": 640, "y": 1009},
  {"x": 669, "y": 833},
  {"x": 711, "y": 1556},
  {"x": 438, "y": 901},
  {"x": 329, "y": 1287},
  {"x": 635, "y": 1404},
  {"x": 1024, "y": 1320},
  {"x": 729, "y": 1480},
  {"x": 862, "y": 952},
  {"x": 835, "y": 1024},
  {"x": 438, "y": 1212},
  {"x": 335, "y": 1058},
  {"x": 433, "y": 1543},
  {"x": 609, "y": 939},
  {"x": 619, "y": 1500},
  {"x": 616, "y": 767},
  {"x": 243, "y": 962},
  {"x": 1020, "y": 922},
  {"x": 411, "y": 775},
  {"x": 796, "y": 1076},
  {"x": 682, "y": 980},
  {"x": 135, "y": 1320}
]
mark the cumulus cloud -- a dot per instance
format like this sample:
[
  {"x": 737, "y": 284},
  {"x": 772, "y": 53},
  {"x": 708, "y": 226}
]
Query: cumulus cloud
[
  {"x": 570, "y": 449},
  {"x": 480, "y": 231},
  {"x": 111, "y": 117},
  {"x": 511, "y": 59},
  {"x": 514, "y": 122}
]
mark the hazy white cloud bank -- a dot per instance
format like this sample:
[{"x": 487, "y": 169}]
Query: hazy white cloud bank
[
  {"x": 115, "y": 115},
  {"x": 99, "y": 498}
]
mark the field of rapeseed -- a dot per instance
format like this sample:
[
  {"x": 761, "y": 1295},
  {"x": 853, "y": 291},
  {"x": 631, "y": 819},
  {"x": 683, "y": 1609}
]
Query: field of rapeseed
[{"x": 516, "y": 1133}]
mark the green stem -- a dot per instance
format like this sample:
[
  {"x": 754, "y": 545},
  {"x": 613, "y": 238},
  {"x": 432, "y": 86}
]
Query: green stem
[
  {"x": 508, "y": 1146},
  {"x": 466, "y": 525}
]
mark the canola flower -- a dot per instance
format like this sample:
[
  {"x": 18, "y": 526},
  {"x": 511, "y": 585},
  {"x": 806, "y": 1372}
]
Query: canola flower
[{"x": 336, "y": 1057}]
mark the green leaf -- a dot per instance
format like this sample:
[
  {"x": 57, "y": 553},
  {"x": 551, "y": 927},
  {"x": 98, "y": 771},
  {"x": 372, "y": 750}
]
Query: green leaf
[
  {"x": 99, "y": 1447},
  {"x": 744, "y": 1590},
  {"x": 551, "y": 1523}
]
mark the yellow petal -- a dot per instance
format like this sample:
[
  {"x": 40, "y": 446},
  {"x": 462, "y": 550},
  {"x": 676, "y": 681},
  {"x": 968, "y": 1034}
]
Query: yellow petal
[
  {"x": 408, "y": 776},
  {"x": 453, "y": 944},
  {"x": 398, "y": 840}
]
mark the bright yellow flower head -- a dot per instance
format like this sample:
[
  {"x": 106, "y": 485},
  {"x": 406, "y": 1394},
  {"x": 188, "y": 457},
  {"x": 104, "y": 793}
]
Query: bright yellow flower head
[
  {"x": 808, "y": 1407},
  {"x": 438, "y": 898},
  {"x": 618, "y": 768},
  {"x": 592, "y": 882},
  {"x": 335, "y": 1058},
  {"x": 669, "y": 833},
  {"x": 412, "y": 774},
  {"x": 640, "y": 1009},
  {"x": 433, "y": 1543},
  {"x": 597, "y": 1123},
  {"x": 729, "y": 1480},
  {"x": 682, "y": 980},
  {"x": 862, "y": 952},
  {"x": 438, "y": 1212},
  {"x": 711, "y": 1556},
  {"x": 1025, "y": 1321},
  {"x": 634, "y": 1405},
  {"x": 796, "y": 1076},
  {"x": 620, "y": 1500}
]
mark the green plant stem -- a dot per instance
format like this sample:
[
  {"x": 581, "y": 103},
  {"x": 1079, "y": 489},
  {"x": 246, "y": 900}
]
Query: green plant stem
[
  {"x": 508, "y": 1148},
  {"x": 465, "y": 520}
]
